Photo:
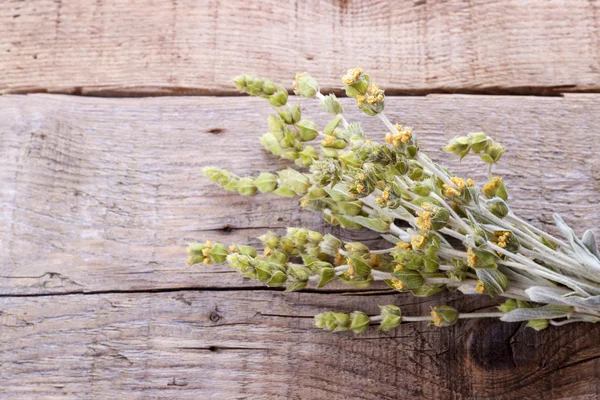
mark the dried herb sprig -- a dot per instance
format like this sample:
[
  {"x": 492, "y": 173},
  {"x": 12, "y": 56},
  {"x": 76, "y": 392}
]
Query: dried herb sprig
[{"x": 357, "y": 183}]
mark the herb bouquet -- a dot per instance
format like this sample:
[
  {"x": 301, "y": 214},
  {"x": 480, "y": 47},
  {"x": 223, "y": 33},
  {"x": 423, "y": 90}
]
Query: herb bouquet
[{"x": 445, "y": 232}]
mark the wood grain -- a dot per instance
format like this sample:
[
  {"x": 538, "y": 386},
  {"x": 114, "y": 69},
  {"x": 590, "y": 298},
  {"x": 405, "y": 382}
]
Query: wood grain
[
  {"x": 262, "y": 345},
  {"x": 119, "y": 47},
  {"x": 102, "y": 194}
]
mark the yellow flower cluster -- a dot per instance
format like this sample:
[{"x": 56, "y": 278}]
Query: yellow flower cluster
[
  {"x": 328, "y": 140},
  {"x": 480, "y": 287},
  {"x": 423, "y": 220},
  {"x": 503, "y": 237},
  {"x": 404, "y": 135},
  {"x": 437, "y": 318},
  {"x": 360, "y": 183},
  {"x": 349, "y": 273},
  {"x": 490, "y": 188},
  {"x": 295, "y": 83},
  {"x": 472, "y": 258},
  {"x": 373, "y": 96},
  {"x": 384, "y": 199},
  {"x": 460, "y": 183},
  {"x": 417, "y": 241},
  {"x": 404, "y": 245},
  {"x": 352, "y": 76},
  {"x": 397, "y": 284},
  {"x": 205, "y": 253}
]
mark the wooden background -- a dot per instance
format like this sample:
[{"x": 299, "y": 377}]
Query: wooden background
[{"x": 100, "y": 188}]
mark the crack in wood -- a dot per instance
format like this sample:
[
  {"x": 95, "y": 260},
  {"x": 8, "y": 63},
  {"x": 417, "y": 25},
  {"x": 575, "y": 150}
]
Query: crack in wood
[{"x": 149, "y": 91}]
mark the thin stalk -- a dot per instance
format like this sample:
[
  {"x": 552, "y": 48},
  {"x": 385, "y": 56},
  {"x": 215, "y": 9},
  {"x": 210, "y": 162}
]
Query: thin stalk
[
  {"x": 540, "y": 248},
  {"x": 540, "y": 232},
  {"x": 453, "y": 213},
  {"x": 481, "y": 315},
  {"x": 431, "y": 168},
  {"x": 321, "y": 97}
]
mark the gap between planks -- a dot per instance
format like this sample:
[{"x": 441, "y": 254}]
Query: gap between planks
[{"x": 138, "y": 92}]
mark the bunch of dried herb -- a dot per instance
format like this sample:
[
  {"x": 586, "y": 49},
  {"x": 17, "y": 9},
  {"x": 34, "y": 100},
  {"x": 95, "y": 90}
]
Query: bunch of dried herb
[{"x": 454, "y": 236}]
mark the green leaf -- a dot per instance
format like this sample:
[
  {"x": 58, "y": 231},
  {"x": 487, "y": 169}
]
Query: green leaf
[
  {"x": 495, "y": 281},
  {"x": 294, "y": 286},
  {"x": 391, "y": 317},
  {"x": 508, "y": 305},
  {"x": 350, "y": 208},
  {"x": 327, "y": 275},
  {"x": 247, "y": 250},
  {"x": 538, "y": 324},
  {"x": 549, "y": 311},
  {"x": 277, "y": 279},
  {"x": 218, "y": 253},
  {"x": 294, "y": 180},
  {"x": 332, "y": 125},
  {"x": 339, "y": 192},
  {"x": 284, "y": 192},
  {"x": 427, "y": 290},
  {"x": 360, "y": 321},
  {"x": 308, "y": 130},
  {"x": 411, "y": 278},
  {"x": 266, "y": 182},
  {"x": 361, "y": 268},
  {"x": 374, "y": 224}
]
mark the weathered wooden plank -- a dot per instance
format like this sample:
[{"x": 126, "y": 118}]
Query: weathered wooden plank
[
  {"x": 262, "y": 345},
  {"x": 195, "y": 47},
  {"x": 101, "y": 194}
]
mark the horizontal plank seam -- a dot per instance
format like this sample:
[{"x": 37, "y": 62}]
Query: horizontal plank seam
[
  {"x": 137, "y": 92},
  {"x": 342, "y": 292}
]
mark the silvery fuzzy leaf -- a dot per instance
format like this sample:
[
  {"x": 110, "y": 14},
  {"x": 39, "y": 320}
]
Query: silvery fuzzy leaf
[
  {"x": 374, "y": 224},
  {"x": 540, "y": 294},
  {"x": 589, "y": 241},
  {"x": 494, "y": 228},
  {"x": 546, "y": 312},
  {"x": 402, "y": 213},
  {"x": 404, "y": 237},
  {"x": 581, "y": 251},
  {"x": 293, "y": 180},
  {"x": 519, "y": 279},
  {"x": 467, "y": 289},
  {"x": 495, "y": 281},
  {"x": 339, "y": 192}
]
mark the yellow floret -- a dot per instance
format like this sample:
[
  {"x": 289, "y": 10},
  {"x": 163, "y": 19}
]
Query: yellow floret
[
  {"x": 460, "y": 182},
  {"x": 417, "y": 241},
  {"x": 450, "y": 192},
  {"x": 328, "y": 140},
  {"x": 397, "y": 284},
  {"x": 349, "y": 273},
  {"x": 472, "y": 259},
  {"x": 480, "y": 287},
  {"x": 437, "y": 318},
  {"x": 403, "y": 245},
  {"x": 423, "y": 221}
]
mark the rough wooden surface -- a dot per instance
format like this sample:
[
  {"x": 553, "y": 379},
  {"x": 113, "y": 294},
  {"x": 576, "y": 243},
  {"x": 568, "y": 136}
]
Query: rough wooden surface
[
  {"x": 109, "y": 47},
  {"x": 262, "y": 345},
  {"x": 99, "y": 195},
  {"x": 102, "y": 194}
]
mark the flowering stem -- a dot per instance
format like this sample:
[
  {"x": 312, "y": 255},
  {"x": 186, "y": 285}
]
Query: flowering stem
[
  {"x": 430, "y": 167},
  {"x": 423, "y": 318},
  {"x": 540, "y": 232}
]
